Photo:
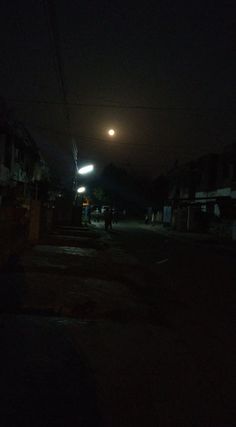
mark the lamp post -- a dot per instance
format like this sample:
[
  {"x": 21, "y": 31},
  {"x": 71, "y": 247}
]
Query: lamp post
[
  {"x": 78, "y": 204},
  {"x": 81, "y": 190},
  {"x": 84, "y": 170}
]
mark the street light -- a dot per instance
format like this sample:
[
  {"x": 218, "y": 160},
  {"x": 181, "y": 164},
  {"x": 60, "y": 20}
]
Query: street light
[
  {"x": 81, "y": 190},
  {"x": 86, "y": 169}
]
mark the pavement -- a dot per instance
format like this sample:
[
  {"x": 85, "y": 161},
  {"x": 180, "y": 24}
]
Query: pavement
[
  {"x": 197, "y": 237},
  {"x": 125, "y": 328}
]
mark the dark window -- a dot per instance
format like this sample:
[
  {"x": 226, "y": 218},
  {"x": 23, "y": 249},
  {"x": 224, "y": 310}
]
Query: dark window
[
  {"x": 19, "y": 155},
  {"x": 225, "y": 170},
  {"x": 212, "y": 176},
  {"x": 2, "y": 150},
  {"x": 8, "y": 150}
]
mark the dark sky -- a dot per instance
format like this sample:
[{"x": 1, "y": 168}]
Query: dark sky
[{"x": 173, "y": 56}]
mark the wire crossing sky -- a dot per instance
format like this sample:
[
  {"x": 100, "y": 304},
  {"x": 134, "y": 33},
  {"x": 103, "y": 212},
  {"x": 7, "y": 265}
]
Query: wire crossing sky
[{"x": 162, "y": 74}]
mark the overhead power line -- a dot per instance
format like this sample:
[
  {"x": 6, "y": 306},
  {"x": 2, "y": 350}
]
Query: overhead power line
[
  {"x": 57, "y": 60},
  {"x": 86, "y": 138},
  {"x": 59, "y": 69},
  {"x": 126, "y": 107}
]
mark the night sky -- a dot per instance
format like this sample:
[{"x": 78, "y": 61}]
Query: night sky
[{"x": 161, "y": 73}]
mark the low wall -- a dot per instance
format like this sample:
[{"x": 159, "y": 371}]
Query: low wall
[{"x": 13, "y": 231}]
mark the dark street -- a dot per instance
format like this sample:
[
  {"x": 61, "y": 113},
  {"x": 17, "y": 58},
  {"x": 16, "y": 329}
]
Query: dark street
[
  {"x": 129, "y": 327},
  {"x": 117, "y": 214}
]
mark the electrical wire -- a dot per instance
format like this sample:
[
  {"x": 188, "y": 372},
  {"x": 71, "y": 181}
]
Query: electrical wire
[{"x": 126, "y": 107}]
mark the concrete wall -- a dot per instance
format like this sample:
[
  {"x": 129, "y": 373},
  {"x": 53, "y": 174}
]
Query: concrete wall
[{"x": 13, "y": 231}]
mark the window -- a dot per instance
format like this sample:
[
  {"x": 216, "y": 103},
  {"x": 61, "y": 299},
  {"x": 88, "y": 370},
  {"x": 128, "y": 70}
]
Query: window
[
  {"x": 2, "y": 147},
  {"x": 8, "y": 152},
  {"x": 225, "y": 170}
]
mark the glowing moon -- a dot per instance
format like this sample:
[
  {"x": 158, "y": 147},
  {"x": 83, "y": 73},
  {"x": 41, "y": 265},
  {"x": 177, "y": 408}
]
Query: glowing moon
[{"x": 111, "y": 132}]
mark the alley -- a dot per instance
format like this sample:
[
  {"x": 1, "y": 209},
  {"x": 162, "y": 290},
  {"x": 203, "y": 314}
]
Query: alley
[{"x": 137, "y": 325}]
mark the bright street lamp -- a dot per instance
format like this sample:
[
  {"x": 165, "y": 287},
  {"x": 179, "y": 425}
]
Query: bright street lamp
[
  {"x": 81, "y": 190},
  {"x": 86, "y": 169}
]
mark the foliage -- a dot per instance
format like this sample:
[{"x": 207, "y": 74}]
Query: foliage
[
  {"x": 100, "y": 197},
  {"x": 117, "y": 187}
]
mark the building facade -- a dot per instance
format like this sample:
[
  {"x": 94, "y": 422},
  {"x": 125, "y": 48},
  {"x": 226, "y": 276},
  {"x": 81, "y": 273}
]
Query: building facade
[
  {"x": 21, "y": 165},
  {"x": 202, "y": 193}
]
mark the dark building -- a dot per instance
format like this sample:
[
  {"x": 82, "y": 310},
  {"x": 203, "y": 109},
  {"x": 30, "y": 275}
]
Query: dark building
[{"x": 202, "y": 193}]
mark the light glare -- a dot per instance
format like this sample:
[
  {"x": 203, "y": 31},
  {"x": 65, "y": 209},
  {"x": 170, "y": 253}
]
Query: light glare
[
  {"x": 81, "y": 190},
  {"x": 111, "y": 132},
  {"x": 86, "y": 169}
]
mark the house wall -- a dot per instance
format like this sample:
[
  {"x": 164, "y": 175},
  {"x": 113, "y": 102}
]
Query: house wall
[
  {"x": 213, "y": 175},
  {"x": 17, "y": 164},
  {"x": 214, "y": 179},
  {"x": 4, "y": 171}
]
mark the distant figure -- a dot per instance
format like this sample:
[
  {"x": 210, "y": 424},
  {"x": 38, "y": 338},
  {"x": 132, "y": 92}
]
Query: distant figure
[
  {"x": 115, "y": 216},
  {"x": 153, "y": 219},
  {"x": 97, "y": 215},
  {"x": 89, "y": 214},
  {"x": 148, "y": 216},
  {"x": 108, "y": 219}
]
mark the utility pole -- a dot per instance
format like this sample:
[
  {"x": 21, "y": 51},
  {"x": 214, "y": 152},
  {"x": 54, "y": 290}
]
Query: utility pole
[{"x": 50, "y": 11}]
